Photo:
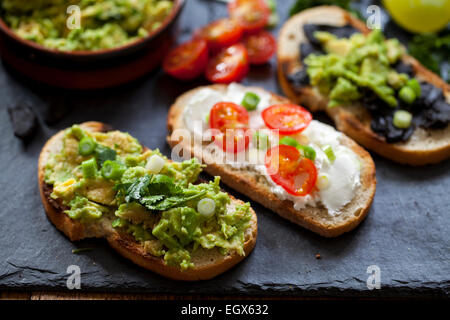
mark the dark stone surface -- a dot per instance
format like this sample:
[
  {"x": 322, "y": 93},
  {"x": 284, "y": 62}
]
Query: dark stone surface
[{"x": 406, "y": 233}]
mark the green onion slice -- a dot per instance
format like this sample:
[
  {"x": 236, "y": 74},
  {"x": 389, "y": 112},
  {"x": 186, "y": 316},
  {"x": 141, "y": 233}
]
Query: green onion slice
[
  {"x": 86, "y": 146},
  {"x": 89, "y": 168},
  {"x": 250, "y": 101}
]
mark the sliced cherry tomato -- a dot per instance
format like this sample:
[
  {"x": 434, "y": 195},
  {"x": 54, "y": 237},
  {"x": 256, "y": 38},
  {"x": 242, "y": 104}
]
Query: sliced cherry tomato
[
  {"x": 260, "y": 46},
  {"x": 231, "y": 123},
  {"x": 287, "y": 118},
  {"x": 252, "y": 15},
  {"x": 228, "y": 115},
  {"x": 230, "y": 64},
  {"x": 221, "y": 33},
  {"x": 188, "y": 60},
  {"x": 287, "y": 168}
]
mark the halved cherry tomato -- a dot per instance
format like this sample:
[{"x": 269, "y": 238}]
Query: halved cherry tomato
[
  {"x": 287, "y": 118},
  {"x": 230, "y": 64},
  {"x": 252, "y": 15},
  {"x": 287, "y": 168},
  {"x": 231, "y": 123},
  {"x": 260, "y": 46},
  {"x": 221, "y": 33},
  {"x": 188, "y": 60}
]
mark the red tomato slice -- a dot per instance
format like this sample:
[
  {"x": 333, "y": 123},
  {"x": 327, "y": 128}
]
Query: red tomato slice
[
  {"x": 231, "y": 123},
  {"x": 287, "y": 118},
  {"x": 260, "y": 46},
  {"x": 287, "y": 168},
  {"x": 221, "y": 33},
  {"x": 188, "y": 60},
  {"x": 252, "y": 15},
  {"x": 230, "y": 64}
]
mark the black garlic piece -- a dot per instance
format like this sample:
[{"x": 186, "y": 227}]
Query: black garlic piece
[{"x": 23, "y": 121}]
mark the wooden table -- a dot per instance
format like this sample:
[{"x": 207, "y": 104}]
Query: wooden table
[{"x": 40, "y": 295}]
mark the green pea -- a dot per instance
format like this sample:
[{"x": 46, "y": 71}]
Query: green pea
[
  {"x": 250, "y": 101},
  {"x": 402, "y": 119},
  {"x": 407, "y": 95},
  {"x": 415, "y": 86}
]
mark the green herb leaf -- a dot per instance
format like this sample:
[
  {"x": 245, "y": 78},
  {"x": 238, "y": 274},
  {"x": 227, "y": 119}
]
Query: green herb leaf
[
  {"x": 162, "y": 184},
  {"x": 174, "y": 201},
  {"x": 138, "y": 189},
  {"x": 103, "y": 154},
  {"x": 158, "y": 192},
  {"x": 431, "y": 50}
]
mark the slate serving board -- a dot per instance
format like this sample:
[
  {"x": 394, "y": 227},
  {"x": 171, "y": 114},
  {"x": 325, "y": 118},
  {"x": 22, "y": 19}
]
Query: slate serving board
[{"x": 406, "y": 234}]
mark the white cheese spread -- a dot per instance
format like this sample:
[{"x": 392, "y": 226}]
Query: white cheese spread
[{"x": 339, "y": 178}]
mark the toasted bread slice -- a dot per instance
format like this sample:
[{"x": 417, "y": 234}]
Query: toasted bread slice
[
  {"x": 257, "y": 188},
  {"x": 208, "y": 263},
  {"x": 425, "y": 146}
]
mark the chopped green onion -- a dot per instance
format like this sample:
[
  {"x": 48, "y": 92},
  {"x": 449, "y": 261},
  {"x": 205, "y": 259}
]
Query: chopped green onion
[
  {"x": 206, "y": 207},
  {"x": 328, "y": 150},
  {"x": 155, "y": 164},
  {"x": 118, "y": 223},
  {"x": 89, "y": 168},
  {"x": 415, "y": 85},
  {"x": 289, "y": 142},
  {"x": 112, "y": 170},
  {"x": 272, "y": 5},
  {"x": 261, "y": 140},
  {"x": 77, "y": 132},
  {"x": 323, "y": 181},
  {"x": 103, "y": 154},
  {"x": 402, "y": 119},
  {"x": 407, "y": 95},
  {"x": 250, "y": 101},
  {"x": 308, "y": 151},
  {"x": 86, "y": 146},
  {"x": 273, "y": 18},
  {"x": 80, "y": 250}
]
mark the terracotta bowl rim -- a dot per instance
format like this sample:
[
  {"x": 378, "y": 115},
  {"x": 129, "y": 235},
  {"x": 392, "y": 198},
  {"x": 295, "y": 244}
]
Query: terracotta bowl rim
[{"x": 85, "y": 53}]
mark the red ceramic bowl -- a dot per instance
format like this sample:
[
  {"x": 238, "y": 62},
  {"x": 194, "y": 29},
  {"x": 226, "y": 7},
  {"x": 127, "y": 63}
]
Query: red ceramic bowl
[{"x": 89, "y": 69}]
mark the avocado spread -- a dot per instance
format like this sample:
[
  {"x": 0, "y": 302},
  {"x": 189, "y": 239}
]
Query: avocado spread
[
  {"x": 107, "y": 176},
  {"x": 104, "y": 24},
  {"x": 355, "y": 64},
  {"x": 349, "y": 67}
]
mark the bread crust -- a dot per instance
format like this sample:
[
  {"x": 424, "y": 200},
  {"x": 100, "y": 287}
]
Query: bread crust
[
  {"x": 424, "y": 147},
  {"x": 208, "y": 263},
  {"x": 313, "y": 218}
]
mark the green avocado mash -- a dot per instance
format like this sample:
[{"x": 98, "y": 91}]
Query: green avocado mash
[
  {"x": 160, "y": 210},
  {"x": 360, "y": 63},
  {"x": 104, "y": 24}
]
